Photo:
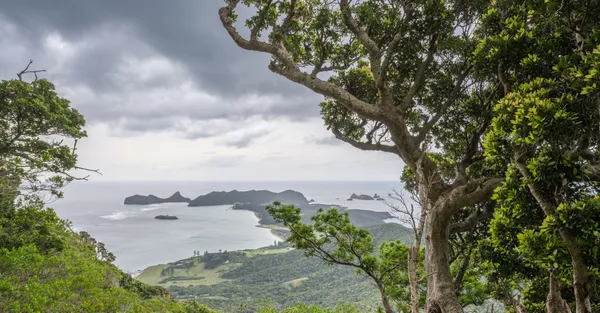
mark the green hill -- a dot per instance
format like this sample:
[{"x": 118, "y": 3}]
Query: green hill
[{"x": 280, "y": 274}]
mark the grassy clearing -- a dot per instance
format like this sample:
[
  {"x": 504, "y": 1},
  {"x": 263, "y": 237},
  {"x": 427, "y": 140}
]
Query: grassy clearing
[
  {"x": 194, "y": 275},
  {"x": 295, "y": 282},
  {"x": 251, "y": 253}
]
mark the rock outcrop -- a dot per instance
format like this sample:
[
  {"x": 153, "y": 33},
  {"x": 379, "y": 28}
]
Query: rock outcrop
[
  {"x": 152, "y": 199},
  {"x": 251, "y": 196}
]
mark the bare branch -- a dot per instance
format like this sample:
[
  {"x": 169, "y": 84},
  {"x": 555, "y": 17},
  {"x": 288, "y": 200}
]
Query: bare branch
[{"x": 27, "y": 71}]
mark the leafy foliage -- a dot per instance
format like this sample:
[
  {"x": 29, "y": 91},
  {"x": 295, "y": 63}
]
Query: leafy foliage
[{"x": 34, "y": 123}]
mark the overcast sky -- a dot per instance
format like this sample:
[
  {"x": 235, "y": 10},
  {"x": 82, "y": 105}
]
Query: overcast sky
[{"x": 167, "y": 95}]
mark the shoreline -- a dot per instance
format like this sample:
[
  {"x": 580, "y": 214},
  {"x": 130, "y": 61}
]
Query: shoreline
[{"x": 259, "y": 225}]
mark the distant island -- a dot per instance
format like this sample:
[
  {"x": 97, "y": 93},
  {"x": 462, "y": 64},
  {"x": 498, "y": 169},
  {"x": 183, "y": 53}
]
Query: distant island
[
  {"x": 360, "y": 197},
  {"x": 365, "y": 197},
  {"x": 251, "y": 197},
  {"x": 166, "y": 217},
  {"x": 152, "y": 199}
]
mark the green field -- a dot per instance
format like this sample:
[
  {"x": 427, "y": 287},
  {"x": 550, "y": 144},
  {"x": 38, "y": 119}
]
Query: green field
[{"x": 196, "y": 272}]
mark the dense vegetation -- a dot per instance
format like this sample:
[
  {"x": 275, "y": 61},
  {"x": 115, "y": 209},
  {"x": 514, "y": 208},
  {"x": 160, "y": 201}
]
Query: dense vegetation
[
  {"x": 275, "y": 274},
  {"x": 494, "y": 109}
]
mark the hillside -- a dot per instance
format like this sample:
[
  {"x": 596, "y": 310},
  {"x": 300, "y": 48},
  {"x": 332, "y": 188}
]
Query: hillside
[
  {"x": 46, "y": 267},
  {"x": 227, "y": 280}
]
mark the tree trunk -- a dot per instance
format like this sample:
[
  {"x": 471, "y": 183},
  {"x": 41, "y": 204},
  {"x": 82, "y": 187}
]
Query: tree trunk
[
  {"x": 413, "y": 259},
  {"x": 413, "y": 262},
  {"x": 580, "y": 271},
  {"x": 441, "y": 296},
  {"x": 554, "y": 302},
  {"x": 384, "y": 299}
]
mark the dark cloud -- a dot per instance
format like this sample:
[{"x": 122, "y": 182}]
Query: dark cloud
[
  {"x": 186, "y": 31},
  {"x": 146, "y": 66}
]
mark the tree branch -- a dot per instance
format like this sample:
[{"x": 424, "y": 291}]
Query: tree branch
[
  {"x": 502, "y": 77},
  {"x": 27, "y": 71},
  {"x": 473, "y": 219},
  {"x": 395, "y": 41},
  {"x": 457, "y": 281},
  {"x": 473, "y": 192},
  {"x": 419, "y": 79},
  {"x": 282, "y": 30},
  {"x": 365, "y": 145},
  {"x": 254, "y": 32},
  {"x": 365, "y": 40},
  {"x": 285, "y": 65},
  {"x": 422, "y": 133}
]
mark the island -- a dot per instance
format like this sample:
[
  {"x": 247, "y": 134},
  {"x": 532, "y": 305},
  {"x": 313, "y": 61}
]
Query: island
[
  {"x": 250, "y": 197},
  {"x": 152, "y": 199},
  {"x": 166, "y": 217},
  {"x": 360, "y": 197}
]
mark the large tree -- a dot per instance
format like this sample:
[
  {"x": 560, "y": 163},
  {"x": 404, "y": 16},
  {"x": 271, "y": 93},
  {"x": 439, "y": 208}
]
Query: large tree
[
  {"x": 547, "y": 129},
  {"x": 401, "y": 81}
]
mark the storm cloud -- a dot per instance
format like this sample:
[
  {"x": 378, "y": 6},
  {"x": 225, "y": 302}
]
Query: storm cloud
[
  {"x": 168, "y": 95},
  {"x": 148, "y": 66}
]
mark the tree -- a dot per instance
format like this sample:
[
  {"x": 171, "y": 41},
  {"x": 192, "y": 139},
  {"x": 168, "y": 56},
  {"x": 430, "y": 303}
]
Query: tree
[
  {"x": 401, "y": 81},
  {"x": 34, "y": 124},
  {"x": 333, "y": 239},
  {"x": 546, "y": 129}
]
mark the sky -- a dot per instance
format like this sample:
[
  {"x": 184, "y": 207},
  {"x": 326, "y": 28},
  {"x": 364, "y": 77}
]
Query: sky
[{"x": 167, "y": 95}]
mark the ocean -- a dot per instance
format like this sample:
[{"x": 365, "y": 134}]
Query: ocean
[{"x": 138, "y": 240}]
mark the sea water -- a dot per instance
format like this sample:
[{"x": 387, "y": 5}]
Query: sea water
[{"x": 138, "y": 240}]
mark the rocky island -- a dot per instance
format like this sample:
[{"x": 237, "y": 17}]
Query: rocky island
[
  {"x": 152, "y": 199},
  {"x": 360, "y": 197},
  {"x": 166, "y": 217},
  {"x": 251, "y": 197}
]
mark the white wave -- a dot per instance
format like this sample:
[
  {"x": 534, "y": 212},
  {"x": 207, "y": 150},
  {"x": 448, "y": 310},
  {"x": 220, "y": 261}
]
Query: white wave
[
  {"x": 151, "y": 208},
  {"x": 116, "y": 216}
]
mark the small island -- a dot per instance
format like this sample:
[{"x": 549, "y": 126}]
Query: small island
[
  {"x": 360, "y": 197},
  {"x": 152, "y": 199},
  {"x": 166, "y": 217}
]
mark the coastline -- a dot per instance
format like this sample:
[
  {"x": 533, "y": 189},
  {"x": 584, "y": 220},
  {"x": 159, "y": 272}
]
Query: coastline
[{"x": 271, "y": 228}]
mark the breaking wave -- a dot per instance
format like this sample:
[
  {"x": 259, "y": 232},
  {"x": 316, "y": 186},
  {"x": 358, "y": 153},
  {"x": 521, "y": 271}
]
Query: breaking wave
[{"x": 116, "y": 216}]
